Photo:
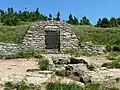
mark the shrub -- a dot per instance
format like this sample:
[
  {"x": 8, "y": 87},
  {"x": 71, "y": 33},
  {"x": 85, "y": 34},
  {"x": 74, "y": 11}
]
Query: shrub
[
  {"x": 20, "y": 86},
  {"x": 117, "y": 80},
  {"x": 113, "y": 55},
  {"x": 116, "y": 48},
  {"x": 58, "y": 86},
  {"x": 28, "y": 54},
  {"x": 113, "y": 88},
  {"x": 114, "y": 64},
  {"x": 61, "y": 73},
  {"x": 108, "y": 48},
  {"x": 93, "y": 86},
  {"x": 43, "y": 64}
]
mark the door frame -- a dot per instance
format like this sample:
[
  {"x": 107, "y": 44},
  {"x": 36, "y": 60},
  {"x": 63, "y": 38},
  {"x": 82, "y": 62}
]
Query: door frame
[{"x": 58, "y": 34}]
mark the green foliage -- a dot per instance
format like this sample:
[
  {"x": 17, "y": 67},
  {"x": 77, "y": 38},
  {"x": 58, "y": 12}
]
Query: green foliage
[
  {"x": 117, "y": 80},
  {"x": 58, "y": 17},
  {"x": 71, "y": 20},
  {"x": 93, "y": 86},
  {"x": 105, "y": 22},
  {"x": 26, "y": 54},
  {"x": 113, "y": 55},
  {"x": 20, "y": 86},
  {"x": 11, "y": 18},
  {"x": 100, "y": 36},
  {"x": 13, "y": 34},
  {"x": 114, "y": 64},
  {"x": 118, "y": 20},
  {"x": 43, "y": 64},
  {"x": 113, "y": 22},
  {"x": 85, "y": 21},
  {"x": 76, "y": 22},
  {"x": 50, "y": 17},
  {"x": 108, "y": 48},
  {"x": 58, "y": 86},
  {"x": 113, "y": 88},
  {"x": 116, "y": 48}
]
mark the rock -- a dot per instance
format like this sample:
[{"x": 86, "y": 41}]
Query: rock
[
  {"x": 92, "y": 48},
  {"x": 14, "y": 64},
  {"x": 64, "y": 80},
  {"x": 80, "y": 60},
  {"x": 46, "y": 72},
  {"x": 85, "y": 79},
  {"x": 9, "y": 68}
]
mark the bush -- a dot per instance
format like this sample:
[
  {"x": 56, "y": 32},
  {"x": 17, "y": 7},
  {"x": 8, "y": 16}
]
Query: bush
[
  {"x": 43, "y": 64},
  {"x": 93, "y": 86},
  {"x": 108, "y": 48},
  {"x": 20, "y": 86},
  {"x": 114, "y": 64},
  {"x": 116, "y": 48},
  {"x": 28, "y": 54},
  {"x": 113, "y": 88},
  {"x": 113, "y": 55},
  {"x": 58, "y": 86}
]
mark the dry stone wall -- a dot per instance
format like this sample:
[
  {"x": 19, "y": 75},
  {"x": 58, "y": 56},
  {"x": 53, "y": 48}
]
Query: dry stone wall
[
  {"x": 90, "y": 47},
  {"x": 10, "y": 48},
  {"x": 35, "y": 39}
]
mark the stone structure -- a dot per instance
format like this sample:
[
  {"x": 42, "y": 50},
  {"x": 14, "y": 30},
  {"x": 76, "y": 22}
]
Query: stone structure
[
  {"x": 10, "y": 48},
  {"x": 51, "y": 35},
  {"x": 90, "y": 47}
]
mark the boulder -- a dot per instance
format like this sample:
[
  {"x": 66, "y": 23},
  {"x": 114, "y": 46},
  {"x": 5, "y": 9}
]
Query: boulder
[
  {"x": 64, "y": 80},
  {"x": 80, "y": 60}
]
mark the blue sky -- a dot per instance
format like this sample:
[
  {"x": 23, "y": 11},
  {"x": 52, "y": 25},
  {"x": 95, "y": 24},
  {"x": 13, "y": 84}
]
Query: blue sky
[{"x": 93, "y": 9}]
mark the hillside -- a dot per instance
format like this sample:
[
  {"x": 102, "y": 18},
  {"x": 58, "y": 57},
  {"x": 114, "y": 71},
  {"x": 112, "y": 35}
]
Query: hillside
[
  {"x": 104, "y": 36},
  {"x": 97, "y": 35}
]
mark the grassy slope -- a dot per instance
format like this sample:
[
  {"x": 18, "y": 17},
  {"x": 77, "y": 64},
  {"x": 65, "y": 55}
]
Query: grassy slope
[
  {"x": 103, "y": 36},
  {"x": 110, "y": 36},
  {"x": 13, "y": 34}
]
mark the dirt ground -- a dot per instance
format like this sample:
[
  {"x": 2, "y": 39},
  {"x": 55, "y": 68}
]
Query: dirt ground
[
  {"x": 12, "y": 67},
  {"x": 98, "y": 60}
]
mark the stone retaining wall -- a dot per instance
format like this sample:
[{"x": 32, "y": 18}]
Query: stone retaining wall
[
  {"x": 10, "y": 48},
  {"x": 90, "y": 47}
]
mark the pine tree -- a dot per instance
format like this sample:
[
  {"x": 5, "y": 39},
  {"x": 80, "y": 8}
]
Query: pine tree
[
  {"x": 118, "y": 20},
  {"x": 113, "y": 22},
  {"x": 85, "y": 21},
  {"x": 105, "y": 22},
  {"x": 99, "y": 22},
  {"x": 70, "y": 20},
  {"x": 76, "y": 22},
  {"x": 50, "y": 17},
  {"x": 58, "y": 17}
]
